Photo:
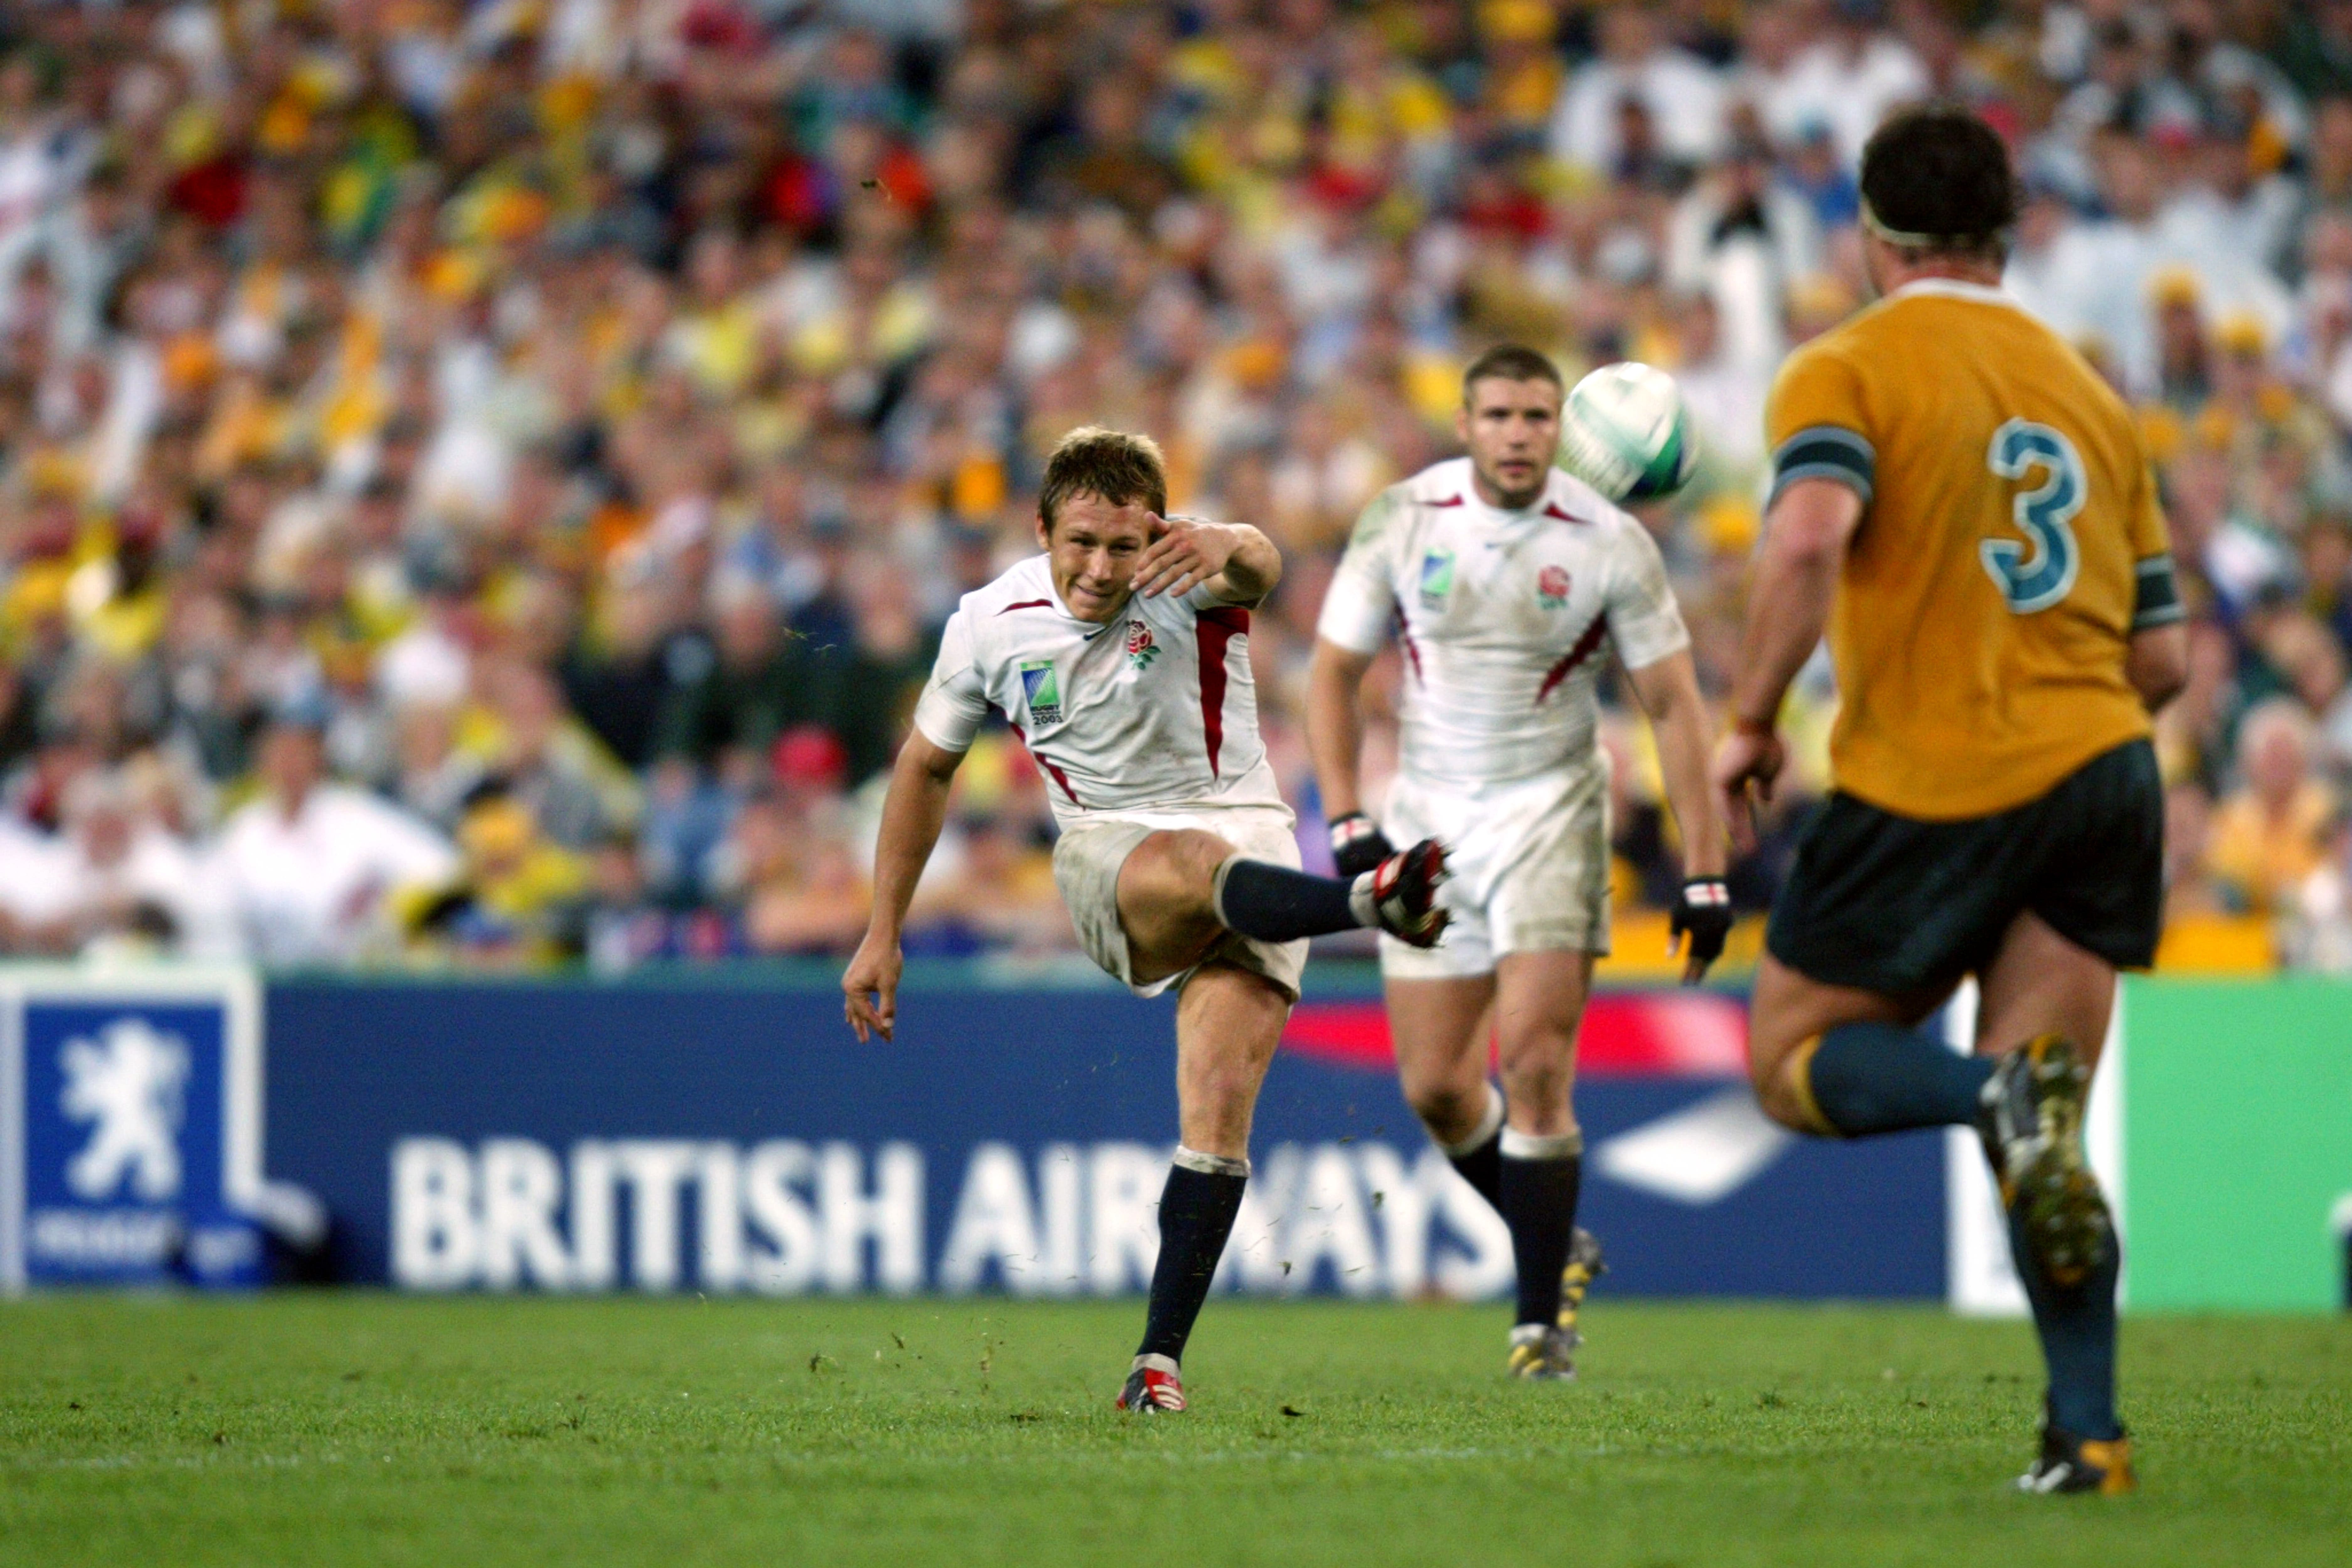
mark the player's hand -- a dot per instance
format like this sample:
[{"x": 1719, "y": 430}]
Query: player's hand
[
  {"x": 1701, "y": 921},
  {"x": 871, "y": 985},
  {"x": 1357, "y": 845},
  {"x": 1184, "y": 553},
  {"x": 1747, "y": 762}
]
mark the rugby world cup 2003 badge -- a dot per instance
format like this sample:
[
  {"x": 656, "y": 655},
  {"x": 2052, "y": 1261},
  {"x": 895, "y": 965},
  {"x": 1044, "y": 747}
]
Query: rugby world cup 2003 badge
[
  {"x": 1140, "y": 650},
  {"x": 1436, "y": 576},
  {"x": 1551, "y": 586},
  {"x": 1042, "y": 692}
]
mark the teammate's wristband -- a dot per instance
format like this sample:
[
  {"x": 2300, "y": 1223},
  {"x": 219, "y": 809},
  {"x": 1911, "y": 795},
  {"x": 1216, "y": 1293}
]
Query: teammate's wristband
[
  {"x": 1761, "y": 729},
  {"x": 1358, "y": 846},
  {"x": 1706, "y": 893}
]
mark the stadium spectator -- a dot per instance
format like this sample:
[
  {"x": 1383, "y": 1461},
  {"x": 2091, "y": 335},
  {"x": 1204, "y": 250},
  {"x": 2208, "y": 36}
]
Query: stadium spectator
[
  {"x": 2271, "y": 833},
  {"x": 580, "y": 398},
  {"x": 315, "y": 872}
]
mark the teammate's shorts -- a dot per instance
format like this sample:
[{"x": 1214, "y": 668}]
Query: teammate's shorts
[
  {"x": 1892, "y": 904},
  {"x": 1531, "y": 868},
  {"x": 1086, "y": 861}
]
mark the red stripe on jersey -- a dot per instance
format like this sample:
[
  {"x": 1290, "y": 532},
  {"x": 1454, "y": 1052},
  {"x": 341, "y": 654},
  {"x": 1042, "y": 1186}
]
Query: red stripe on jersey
[
  {"x": 1048, "y": 763},
  {"x": 1553, "y": 508},
  {"x": 1215, "y": 628},
  {"x": 1404, "y": 636},
  {"x": 1456, "y": 500},
  {"x": 1027, "y": 605},
  {"x": 1583, "y": 650}
]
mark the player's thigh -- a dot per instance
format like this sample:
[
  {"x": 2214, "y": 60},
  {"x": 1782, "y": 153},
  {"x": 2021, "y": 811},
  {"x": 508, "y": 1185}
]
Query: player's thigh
[
  {"x": 1789, "y": 1007},
  {"x": 1440, "y": 1028},
  {"x": 1229, "y": 1020},
  {"x": 1539, "y": 1001},
  {"x": 1164, "y": 900},
  {"x": 2040, "y": 982}
]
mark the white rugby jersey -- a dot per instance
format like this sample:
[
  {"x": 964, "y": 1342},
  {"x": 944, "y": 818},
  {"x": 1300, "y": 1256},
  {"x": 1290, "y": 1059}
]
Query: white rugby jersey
[
  {"x": 1154, "y": 709},
  {"x": 1501, "y": 616}
]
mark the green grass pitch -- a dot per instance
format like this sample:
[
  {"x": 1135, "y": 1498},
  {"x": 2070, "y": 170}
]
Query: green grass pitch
[{"x": 317, "y": 1428}]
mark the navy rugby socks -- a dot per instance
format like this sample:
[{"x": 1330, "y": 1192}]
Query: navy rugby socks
[
  {"x": 1196, "y": 1214},
  {"x": 2077, "y": 1325},
  {"x": 1536, "y": 1189},
  {"x": 1274, "y": 903},
  {"x": 1883, "y": 1078}
]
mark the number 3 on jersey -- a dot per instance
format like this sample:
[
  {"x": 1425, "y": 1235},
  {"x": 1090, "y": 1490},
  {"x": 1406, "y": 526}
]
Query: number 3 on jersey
[{"x": 2036, "y": 575}]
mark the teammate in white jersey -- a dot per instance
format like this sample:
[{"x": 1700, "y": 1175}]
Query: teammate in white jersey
[
  {"x": 1502, "y": 578},
  {"x": 1120, "y": 657}
]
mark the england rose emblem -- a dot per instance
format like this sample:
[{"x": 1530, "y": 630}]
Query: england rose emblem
[
  {"x": 1551, "y": 586},
  {"x": 1140, "y": 650}
]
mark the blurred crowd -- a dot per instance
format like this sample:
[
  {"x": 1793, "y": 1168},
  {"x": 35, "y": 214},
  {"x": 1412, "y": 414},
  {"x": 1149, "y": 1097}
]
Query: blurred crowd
[{"x": 481, "y": 481}]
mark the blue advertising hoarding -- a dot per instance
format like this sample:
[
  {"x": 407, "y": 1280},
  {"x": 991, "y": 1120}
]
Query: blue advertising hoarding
[{"x": 698, "y": 1134}]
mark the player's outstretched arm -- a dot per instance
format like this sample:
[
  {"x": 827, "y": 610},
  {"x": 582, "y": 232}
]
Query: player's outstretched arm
[
  {"x": 1789, "y": 599},
  {"x": 1239, "y": 564},
  {"x": 912, "y": 813},
  {"x": 1668, "y": 689}
]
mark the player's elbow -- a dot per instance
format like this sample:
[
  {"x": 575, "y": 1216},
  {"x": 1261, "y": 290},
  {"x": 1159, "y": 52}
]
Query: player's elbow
[
  {"x": 1259, "y": 564},
  {"x": 1806, "y": 547},
  {"x": 2158, "y": 663},
  {"x": 922, "y": 760}
]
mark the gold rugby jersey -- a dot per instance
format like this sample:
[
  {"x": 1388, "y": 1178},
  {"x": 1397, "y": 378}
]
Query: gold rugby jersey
[{"x": 2011, "y": 542}]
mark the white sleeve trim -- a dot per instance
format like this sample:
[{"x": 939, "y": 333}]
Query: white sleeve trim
[
  {"x": 1356, "y": 612},
  {"x": 954, "y": 700}
]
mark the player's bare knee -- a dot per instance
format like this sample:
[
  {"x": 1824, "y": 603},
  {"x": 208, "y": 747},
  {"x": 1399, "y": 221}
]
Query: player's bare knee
[
  {"x": 1449, "y": 1111},
  {"x": 1533, "y": 1052}
]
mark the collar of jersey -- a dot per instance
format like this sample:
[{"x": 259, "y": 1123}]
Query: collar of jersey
[
  {"x": 1054, "y": 594},
  {"x": 1956, "y": 288}
]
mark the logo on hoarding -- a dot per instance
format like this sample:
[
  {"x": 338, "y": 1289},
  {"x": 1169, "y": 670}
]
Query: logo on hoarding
[
  {"x": 128, "y": 1082},
  {"x": 783, "y": 1216},
  {"x": 131, "y": 1128}
]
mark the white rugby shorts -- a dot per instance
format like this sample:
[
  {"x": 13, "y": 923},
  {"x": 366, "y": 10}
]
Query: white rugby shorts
[
  {"x": 1086, "y": 861},
  {"x": 1531, "y": 868}
]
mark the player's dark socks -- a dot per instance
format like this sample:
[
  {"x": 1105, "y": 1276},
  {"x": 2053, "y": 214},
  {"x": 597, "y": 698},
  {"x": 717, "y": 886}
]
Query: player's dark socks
[
  {"x": 2077, "y": 1325},
  {"x": 1537, "y": 1195},
  {"x": 1274, "y": 903},
  {"x": 1479, "y": 1157},
  {"x": 1196, "y": 1214},
  {"x": 1883, "y": 1078}
]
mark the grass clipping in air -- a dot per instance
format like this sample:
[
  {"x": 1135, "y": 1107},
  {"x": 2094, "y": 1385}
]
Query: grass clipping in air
[{"x": 368, "y": 1429}]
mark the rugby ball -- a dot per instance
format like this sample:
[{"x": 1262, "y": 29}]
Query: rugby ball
[{"x": 1626, "y": 432}]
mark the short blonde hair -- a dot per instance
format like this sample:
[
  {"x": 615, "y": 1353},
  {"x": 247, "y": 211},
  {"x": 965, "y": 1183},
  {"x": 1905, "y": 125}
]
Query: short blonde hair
[{"x": 1113, "y": 466}]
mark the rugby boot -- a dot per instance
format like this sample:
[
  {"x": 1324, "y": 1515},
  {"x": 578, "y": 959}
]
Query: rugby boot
[
  {"x": 2030, "y": 1118},
  {"x": 2071, "y": 1464},
  {"x": 1584, "y": 1266},
  {"x": 1543, "y": 1352},
  {"x": 1153, "y": 1387},
  {"x": 1404, "y": 894}
]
